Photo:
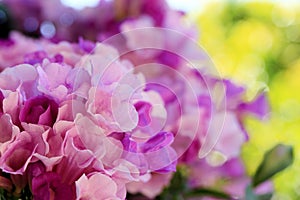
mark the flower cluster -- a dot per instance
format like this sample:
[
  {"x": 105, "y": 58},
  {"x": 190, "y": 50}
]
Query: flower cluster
[
  {"x": 56, "y": 21},
  {"x": 98, "y": 120},
  {"x": 68, "y": 126}
]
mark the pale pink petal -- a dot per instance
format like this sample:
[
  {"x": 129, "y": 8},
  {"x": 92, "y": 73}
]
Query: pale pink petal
[
  {"x": 151, "y": 188},
  {"x": 97, "y": 187}
]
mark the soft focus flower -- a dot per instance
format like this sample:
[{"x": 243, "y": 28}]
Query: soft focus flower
[{"x": 39, "y": 18}]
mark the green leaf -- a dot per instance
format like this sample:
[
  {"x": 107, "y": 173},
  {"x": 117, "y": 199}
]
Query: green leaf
[
  {"x": 250, "y": 195},
  {"x": 177, "y": 187},
  {"x": 200, "y": 192},
  {"x": 275, "y": 160},
  {"x": 266, "y": 196},
  {"x": 2, "y": 194}
]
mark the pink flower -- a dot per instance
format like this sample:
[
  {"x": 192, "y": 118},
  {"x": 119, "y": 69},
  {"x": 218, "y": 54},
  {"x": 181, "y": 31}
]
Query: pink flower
[
  {"x": 152, "y": 187},
  {"x": 53, "y": 79},
  {"x": 19, "y": 154},
  {"x": 76, "y": 158},
  {"x": 106, "y": 188},
  {"x": 39, "y": 110},
  {"x": 48, "y": 185},
  {"x": 8, "y": 131},
  {"x": 13, "y": 54},
  {"x": 38, "y": 57},
  {"x": 231, "y": 138},
  {"x": 29, "y": 146}
]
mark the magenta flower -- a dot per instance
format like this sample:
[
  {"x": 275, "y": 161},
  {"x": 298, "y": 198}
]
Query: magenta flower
[
  {"x": 48, "y": 185},
  {"x": 39, "y": 110},
  {"x": 20, "y": 152},
  {"x": 36, "y": 15}
]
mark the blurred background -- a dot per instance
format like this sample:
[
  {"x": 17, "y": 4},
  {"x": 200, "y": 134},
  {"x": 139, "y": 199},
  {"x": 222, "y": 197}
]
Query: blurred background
[{"x": 257, "y": 43}]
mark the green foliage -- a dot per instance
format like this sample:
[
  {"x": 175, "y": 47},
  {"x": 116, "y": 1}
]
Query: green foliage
[
  {"x": 25, "y": 194},
  {"x": 177, "y": 187},
  {"x": 202, "y": 192},
  {"x": 275, "y": 160},
  {"x": 250, "y": 195},
  {"x": 179, "y": 190}
]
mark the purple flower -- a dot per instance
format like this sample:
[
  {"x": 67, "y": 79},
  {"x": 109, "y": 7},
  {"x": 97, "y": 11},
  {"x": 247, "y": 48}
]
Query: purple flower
[
  {"x": 39, "y": 56},
  {"x": 39, "y": 110},
  {"x": 48, "y": 185},
  {"x": 20, "y": 152},
  {"x": 144, "y": 110},
  {"x": 259, "y": 106}
]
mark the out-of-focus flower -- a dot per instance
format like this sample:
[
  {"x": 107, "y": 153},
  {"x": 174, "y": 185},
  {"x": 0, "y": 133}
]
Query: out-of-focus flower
[
  {"x": 257, "y": 43},
  {"x": 39, "y": 18},
  {"x": 19, "y": 49}
]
